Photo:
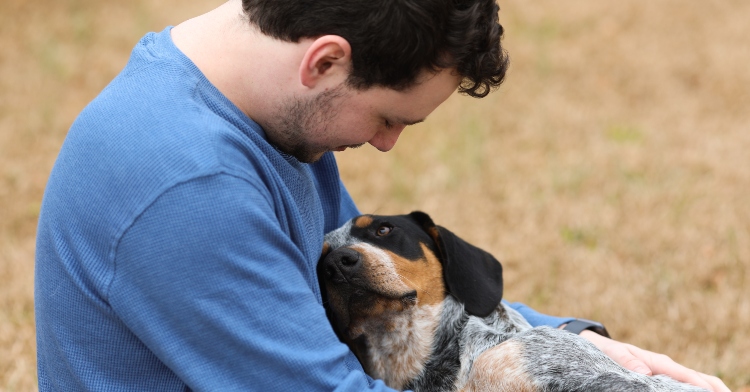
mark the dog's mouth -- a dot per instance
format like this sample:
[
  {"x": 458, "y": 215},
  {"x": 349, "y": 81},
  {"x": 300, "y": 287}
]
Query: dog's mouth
[
  {"x": 356, "y": 307},
  {"x": 363, "y": 300},
  {"x": 362, "y": 290},
  {"x": 365, "y": 296}
]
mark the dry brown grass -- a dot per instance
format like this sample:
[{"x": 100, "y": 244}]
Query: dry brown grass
[{"x": 611, "y": 172}]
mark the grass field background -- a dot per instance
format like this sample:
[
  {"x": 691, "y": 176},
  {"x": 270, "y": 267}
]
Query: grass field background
[{"x": 610, "y": 173}]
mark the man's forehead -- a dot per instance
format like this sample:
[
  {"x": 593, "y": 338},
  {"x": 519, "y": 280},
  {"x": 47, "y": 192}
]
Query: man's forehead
[
  {"x": 420, "y": 94},
  {"x": 419, "y": 100}
]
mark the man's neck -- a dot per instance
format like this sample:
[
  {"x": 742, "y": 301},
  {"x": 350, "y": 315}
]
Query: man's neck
[{"x": 251, "y": 69}]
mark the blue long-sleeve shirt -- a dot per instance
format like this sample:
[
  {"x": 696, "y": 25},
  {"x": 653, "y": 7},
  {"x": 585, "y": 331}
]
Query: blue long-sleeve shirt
[{"x": 176, "y": 247}]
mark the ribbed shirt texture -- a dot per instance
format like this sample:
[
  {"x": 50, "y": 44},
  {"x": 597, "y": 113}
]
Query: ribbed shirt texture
[{"x": 176, "y": 247}]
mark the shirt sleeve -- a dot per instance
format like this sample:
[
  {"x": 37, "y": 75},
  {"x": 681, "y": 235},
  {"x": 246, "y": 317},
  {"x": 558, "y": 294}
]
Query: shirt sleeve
[
  {"x": 348, "y": 208},
  {"x": 209, "y": 281},
  {"x": 537, "y": 319}
]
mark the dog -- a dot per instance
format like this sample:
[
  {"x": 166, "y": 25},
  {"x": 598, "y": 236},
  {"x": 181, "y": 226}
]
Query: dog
[{"x": 421, "y": 309}]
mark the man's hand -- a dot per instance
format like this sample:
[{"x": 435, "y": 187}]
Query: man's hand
[{"x": 649, "y": 363}]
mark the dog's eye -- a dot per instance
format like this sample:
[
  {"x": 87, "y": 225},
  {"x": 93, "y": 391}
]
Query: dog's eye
[{"x": 383, "y": 230}]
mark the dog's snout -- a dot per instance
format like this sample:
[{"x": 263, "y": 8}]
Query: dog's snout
[
  {"x": 341, "y": 264},
  {"x": 349, "y": 258}
]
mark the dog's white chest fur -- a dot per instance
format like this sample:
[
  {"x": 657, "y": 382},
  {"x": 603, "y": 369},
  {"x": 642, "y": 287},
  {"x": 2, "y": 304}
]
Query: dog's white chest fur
[{"x": 398, "y": 352}]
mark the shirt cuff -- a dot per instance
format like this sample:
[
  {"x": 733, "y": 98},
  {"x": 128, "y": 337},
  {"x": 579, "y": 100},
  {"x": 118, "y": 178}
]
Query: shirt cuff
[{"x": 537, "y": 319}]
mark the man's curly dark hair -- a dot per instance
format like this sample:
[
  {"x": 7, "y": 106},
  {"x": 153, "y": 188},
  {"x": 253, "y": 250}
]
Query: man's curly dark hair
[{"x": 394, "y": 40}]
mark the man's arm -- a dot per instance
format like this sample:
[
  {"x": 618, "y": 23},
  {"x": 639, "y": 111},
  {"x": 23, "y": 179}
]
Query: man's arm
[{"x": 214, "y": 287}]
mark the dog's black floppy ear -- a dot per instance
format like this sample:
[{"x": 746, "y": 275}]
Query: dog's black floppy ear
[{"x": 471, "y": 275}]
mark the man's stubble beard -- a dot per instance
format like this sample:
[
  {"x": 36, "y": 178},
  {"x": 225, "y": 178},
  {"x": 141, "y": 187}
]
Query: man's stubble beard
[{"x": 299, "y": 125}]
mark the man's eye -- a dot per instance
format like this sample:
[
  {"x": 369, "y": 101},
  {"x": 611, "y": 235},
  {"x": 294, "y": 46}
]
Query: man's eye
[{"x": 383, "y": 230}]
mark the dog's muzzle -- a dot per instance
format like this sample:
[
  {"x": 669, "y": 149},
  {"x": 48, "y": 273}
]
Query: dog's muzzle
[
  {"x": 345, "y": 271},
  {"x": 343, "y": 265}
]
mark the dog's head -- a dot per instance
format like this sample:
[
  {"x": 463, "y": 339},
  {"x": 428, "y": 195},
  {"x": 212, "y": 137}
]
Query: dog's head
[{"x": 377, "y": 267}]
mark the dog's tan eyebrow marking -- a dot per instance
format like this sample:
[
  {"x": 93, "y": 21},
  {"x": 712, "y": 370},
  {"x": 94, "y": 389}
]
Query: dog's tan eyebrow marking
[
  {"x": 326, "y": 249},
  {"x": 363, "y": 221}
]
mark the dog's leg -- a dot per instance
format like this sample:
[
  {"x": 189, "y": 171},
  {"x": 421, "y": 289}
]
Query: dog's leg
[
  {"x": 613, "y": 382},
  {"x": 560, "y": 361},
  {"x": 501, "y": 368}
]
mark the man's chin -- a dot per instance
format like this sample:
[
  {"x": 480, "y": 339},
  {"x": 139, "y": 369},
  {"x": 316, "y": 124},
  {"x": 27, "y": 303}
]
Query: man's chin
[
  {"x": 306, "y": 156},
  {"x": 342, "y": 148},
  {"x": 309, "y": 158},
  {"x": 315, "y": 157}
]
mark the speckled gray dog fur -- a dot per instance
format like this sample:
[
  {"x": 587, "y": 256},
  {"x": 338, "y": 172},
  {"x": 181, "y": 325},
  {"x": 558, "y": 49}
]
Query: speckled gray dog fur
[
  {"x": 444, "y": 348},
  {"x": 554, "y": 360}
]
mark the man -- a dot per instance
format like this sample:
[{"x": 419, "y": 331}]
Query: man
[{"x": 184, "y": 216}]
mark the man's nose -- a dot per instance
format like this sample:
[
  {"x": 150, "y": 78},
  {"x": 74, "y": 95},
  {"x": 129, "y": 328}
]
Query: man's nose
[{"x": 387, "y": 138}]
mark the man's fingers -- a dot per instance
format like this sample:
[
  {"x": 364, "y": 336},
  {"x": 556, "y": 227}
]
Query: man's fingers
[
  {"x": 716, "y": 383},
  {"x": 632, "y": 363},
  {"x": 691, "y": 377},
  {"x": 650, "y": 363},
  {"x": 662, "y": 364},
  {"x": 622, "y": 355}
]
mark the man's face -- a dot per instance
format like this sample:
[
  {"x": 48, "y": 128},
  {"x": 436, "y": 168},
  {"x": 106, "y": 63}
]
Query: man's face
[{"x": 342, "y": 117}]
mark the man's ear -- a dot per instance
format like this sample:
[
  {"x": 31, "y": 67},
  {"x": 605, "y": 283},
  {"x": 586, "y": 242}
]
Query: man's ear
[
  {"x": 328, "y": 56},
  {"x": 471, "y": 275}
]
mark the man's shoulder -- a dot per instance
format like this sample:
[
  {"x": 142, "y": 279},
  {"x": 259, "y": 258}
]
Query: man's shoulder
[{"x": 157, "y": 81}]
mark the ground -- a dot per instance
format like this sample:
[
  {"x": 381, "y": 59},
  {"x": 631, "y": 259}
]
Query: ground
[{"x": 610, "y": 173}]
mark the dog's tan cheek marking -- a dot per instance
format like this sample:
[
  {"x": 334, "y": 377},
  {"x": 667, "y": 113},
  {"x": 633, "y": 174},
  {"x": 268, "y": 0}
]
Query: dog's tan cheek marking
[
  {"x": 500, "y": 368},
  {"x": 363, "y": 221},
  {"x": 400, "y": 343},
  {"x": 425, "y": 276},
  {"x": 380, "y": 270},
  {"x": 382, "y": 306}
]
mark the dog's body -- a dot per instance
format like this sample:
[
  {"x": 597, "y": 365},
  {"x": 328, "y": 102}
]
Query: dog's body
[{"x": 421, "y": 310}]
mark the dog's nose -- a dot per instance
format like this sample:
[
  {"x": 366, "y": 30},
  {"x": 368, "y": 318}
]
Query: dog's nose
[{"x": 341, "y": 264}]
